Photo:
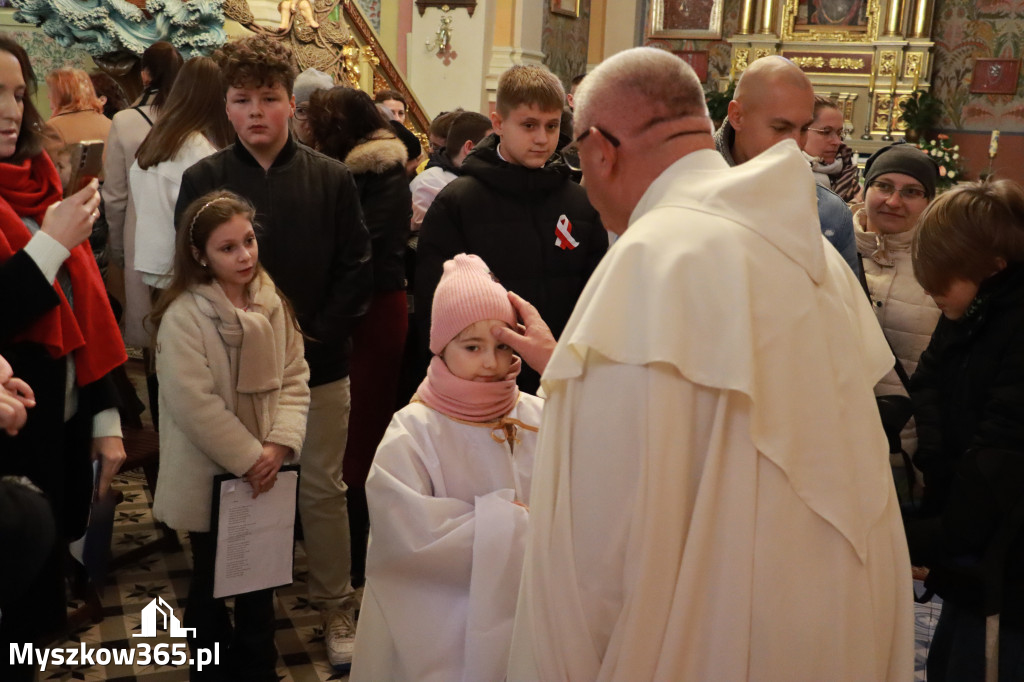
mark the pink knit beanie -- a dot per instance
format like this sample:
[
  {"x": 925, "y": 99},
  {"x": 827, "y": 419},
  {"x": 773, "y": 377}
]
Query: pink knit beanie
[{"x": 467, "y": 293}]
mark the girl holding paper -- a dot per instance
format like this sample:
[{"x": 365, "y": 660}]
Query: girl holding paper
[{"x": 233, "y": 398}]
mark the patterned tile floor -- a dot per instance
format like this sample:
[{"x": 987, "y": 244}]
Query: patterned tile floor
[
  {"x": 165, "y": 574},
  {"x": 299, "y": 636},
  {"x": 925, "y": 618}
]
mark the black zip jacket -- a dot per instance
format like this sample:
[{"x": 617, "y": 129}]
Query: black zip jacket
[
  {"x": 507, "y": 214},
  {"x": 312, "y": 240},
  {"x": 968, "y": 394}
]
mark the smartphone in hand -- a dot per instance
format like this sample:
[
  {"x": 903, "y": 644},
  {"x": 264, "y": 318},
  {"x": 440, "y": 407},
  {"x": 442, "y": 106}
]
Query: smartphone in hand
[{"x": 86, "y": 162}]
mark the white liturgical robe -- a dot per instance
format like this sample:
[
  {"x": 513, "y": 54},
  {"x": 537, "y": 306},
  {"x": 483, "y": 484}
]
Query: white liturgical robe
[
  {"x": 446, "y": 547},
  {"x": 712, "y": 494}
]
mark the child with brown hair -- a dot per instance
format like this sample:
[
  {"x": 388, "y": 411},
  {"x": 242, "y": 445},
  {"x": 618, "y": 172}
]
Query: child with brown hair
[
  {"x": 314, "y": 243},
  {"x": 968, "y": 394},
  {"x": 233, "y": 398}
]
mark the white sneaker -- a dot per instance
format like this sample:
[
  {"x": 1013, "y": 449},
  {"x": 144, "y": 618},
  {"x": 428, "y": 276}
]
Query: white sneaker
[
  {"x": 339, "y": 637},
  {"x": 356, "y": 600}
]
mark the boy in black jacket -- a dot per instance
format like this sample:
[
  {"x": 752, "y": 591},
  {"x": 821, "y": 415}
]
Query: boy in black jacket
[
  {"x": 516, "y": 207},
  {"x": 968, "y": 394},
  {"x": 313, "y": 242}
]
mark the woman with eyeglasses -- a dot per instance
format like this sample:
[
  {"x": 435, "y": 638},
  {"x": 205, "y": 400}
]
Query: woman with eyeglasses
[
  {"x": 831, "y": 160},
  {"x": 899, "y": 185}
]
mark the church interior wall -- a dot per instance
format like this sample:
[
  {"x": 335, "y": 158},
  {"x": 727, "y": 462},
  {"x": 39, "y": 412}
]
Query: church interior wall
[
  {"x": 503, "y": 32},
  {"x": 443, "y": 81},
  {"x": 565, "y": 41},
  {"x": 963, "y": 31}
]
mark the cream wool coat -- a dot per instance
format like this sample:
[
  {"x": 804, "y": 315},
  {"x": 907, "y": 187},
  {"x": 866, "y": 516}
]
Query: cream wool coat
[
  {"x": 229, "y": 382},
  {"x": 712, "y": 498}
]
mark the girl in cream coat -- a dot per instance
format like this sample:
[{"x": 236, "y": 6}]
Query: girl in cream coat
[{"x": 234, "y": 397}]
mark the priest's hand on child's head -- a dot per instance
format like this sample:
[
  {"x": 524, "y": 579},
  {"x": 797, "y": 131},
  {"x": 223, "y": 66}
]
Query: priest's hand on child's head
[{"x": 533, "y": 341}]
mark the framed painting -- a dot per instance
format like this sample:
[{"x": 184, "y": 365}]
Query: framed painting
[
  {"x": 830, "y": 20},
  {"x": 568, "y": 8},
  {"x": 995, "y": 76},
  {"x": 685, "y": 19}
]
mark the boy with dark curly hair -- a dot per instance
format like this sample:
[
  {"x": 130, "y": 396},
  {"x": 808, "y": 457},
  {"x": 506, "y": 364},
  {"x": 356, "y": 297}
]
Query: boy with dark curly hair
[{"x": 314, "y": 244}]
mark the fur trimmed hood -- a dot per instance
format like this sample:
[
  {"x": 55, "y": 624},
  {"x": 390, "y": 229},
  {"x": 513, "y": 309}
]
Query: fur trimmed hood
[{"x": 377, "y": 154}]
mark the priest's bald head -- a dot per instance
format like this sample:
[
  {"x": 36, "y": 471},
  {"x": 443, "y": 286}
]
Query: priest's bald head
[
  {"x": 774, "y": 101},
  {"x": 636, "y": 114}
]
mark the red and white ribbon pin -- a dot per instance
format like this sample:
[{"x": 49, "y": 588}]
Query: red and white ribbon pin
[{"x": 563, "y": 234}]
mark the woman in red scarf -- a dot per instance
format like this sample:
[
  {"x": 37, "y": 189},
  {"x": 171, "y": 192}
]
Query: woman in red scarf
[{"x": 59, "y": 335}]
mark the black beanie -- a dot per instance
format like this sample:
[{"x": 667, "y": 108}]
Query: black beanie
[{"x": 906, "y": 159}]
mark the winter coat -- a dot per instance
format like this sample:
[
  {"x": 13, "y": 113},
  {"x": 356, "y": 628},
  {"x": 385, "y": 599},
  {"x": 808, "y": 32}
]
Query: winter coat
[
  {"x": 378, "y": 167},
  {"x": 313, "y": 241},
  {"x": 508, "y": 215},
  {"x": 907, "y": 314},
  {"x": 75, "y": 126},
  {"x": 230, "y": 381},
  {"x": 968, "y": 394},
  {"x": 841, "y": 176}
]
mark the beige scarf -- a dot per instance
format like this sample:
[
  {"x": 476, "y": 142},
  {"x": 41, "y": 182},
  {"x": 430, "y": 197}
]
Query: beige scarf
[{"x": 249, "y": 338}]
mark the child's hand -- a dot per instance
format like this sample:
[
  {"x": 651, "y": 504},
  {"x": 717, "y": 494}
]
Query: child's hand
[{"x": 263, "y": 474}]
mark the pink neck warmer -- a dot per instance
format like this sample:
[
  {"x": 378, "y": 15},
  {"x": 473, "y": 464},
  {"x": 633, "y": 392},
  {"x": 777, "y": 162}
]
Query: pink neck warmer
[{"x": 474, "y": 401}]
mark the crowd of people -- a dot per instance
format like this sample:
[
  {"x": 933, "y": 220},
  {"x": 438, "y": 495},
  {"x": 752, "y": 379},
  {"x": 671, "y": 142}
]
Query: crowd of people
[{"x": 585, "y": 389}]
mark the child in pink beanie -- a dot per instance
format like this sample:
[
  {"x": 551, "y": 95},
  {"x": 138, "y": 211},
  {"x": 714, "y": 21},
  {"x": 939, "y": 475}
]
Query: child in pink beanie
[{"x": 448, "y": 497}]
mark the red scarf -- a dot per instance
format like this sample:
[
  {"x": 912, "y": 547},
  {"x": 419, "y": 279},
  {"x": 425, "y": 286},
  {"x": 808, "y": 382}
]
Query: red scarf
[
  {"x": 27, "y": 190},
  {"x": 472, "y": 401}
]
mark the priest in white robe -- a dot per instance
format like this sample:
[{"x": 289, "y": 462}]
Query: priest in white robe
[{"x": 712, "y": 498}]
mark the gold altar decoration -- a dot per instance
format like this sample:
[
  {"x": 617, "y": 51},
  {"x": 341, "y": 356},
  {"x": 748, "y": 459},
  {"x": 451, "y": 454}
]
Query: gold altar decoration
[
  {"x": 922, "y": 19},
  {"x": 821, "y": 63},
  {"x": 797, "y": 25},
  {"x": 882, "y": 106}
]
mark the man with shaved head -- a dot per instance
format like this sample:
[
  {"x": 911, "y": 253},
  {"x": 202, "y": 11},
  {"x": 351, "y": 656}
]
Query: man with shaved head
[
  {"x": 774, "y": 101},
  {"x": 711, "y": 497}
]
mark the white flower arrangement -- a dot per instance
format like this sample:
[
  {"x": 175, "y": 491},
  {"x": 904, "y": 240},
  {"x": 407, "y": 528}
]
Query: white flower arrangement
[{"x": 947, "y": 157}]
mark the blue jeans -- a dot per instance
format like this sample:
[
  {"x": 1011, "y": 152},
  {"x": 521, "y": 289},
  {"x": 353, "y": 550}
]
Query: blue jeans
[{"x": 957, "y": 652}]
